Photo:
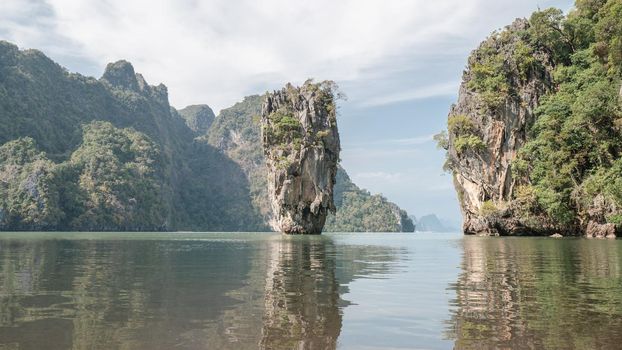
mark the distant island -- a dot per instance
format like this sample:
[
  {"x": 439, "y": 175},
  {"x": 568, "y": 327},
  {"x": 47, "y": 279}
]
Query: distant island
[
  {"x": 111, "y": 154},
  {"x": 432, "y": 223},
  {"x": 534, "y": 141}
]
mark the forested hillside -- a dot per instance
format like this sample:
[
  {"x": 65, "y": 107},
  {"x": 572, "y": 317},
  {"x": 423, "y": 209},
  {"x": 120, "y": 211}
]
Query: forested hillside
[
  {"x": 79, "y": 153},
  {"x": 198, "y": 187}
]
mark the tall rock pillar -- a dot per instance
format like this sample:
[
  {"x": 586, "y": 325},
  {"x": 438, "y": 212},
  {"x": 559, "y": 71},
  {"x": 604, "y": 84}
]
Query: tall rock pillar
[{"x": 301, "y": 146}]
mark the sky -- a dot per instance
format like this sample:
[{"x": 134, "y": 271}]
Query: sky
[{"x": 398, "y": 61}]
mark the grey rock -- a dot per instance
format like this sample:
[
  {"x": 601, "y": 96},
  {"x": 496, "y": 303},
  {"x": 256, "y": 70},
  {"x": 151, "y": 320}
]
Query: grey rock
[
  {"x": 597, "y": 230},
  {"x": 485, "y": 175},
  {"x": 301, "y": 147},
  {"x": 121, "y": 74}
]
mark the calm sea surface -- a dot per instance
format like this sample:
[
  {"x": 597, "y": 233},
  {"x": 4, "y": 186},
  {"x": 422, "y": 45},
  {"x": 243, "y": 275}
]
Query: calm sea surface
[{"x": 346, "y": 291}]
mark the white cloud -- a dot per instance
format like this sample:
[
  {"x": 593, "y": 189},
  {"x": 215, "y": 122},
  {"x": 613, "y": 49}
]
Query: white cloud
[
  {"x": 217, "y": 51},
  {"x": 417, "y": 140},
  {"x": 379, "y": 175},
  {"x": 435, "y": 90}
]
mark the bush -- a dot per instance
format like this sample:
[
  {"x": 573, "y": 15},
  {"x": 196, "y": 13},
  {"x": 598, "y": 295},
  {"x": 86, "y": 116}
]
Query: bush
[
  {"x": 615, "y": 219},
  {"x": 460, "y": 125},
  {"x": 284, "y": 128},
  {"x": 442, "y": 140},
  {"x": 489, "y": 78},
  {"x": 468, "y": 142},
  {"x": 488, "y": 209}
]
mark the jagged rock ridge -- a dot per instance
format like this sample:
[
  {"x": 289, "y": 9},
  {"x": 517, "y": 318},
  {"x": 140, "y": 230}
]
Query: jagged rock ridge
[{"x": 301, "y": 146}]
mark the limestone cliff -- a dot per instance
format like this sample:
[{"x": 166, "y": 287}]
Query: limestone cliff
[
  {"x": 534, "y": 138},
  {"x": 487, "y": 126},
  {"x": 301, "y": 147}
]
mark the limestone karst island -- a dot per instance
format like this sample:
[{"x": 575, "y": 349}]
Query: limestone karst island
[{"x": 226, "y": 174}]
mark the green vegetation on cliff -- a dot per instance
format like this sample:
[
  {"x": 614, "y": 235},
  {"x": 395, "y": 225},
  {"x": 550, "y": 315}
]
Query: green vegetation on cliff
[
  {"x": 541, "y": 104},
  {"x": 29, "y": 197},
  {"x": 109, "y": 183},
  {"x": 573, "y": 157},
  {"x": 112, "y": 181},
  {"x": 199, "y": 118}
]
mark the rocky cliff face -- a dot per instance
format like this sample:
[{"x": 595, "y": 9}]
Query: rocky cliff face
[
  {"x": 534, "y": 139},
  {"x": 301, "y": 146},
  {"x": 488, "y": 125}
]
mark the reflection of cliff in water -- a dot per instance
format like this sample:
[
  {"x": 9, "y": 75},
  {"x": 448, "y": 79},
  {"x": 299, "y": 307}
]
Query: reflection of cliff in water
[
  {"x": 538, "y": 293},
  {"x": 272, "y": 291},
  {"x": 302, "y": 295}
]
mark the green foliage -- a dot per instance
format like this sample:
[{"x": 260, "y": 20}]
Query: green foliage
[
  {"x": 525, "y": 60},
  {"x": 463, "y": 129},
  {"x": 29, "y": 198},
  {"x": 609, "y": 32},
  {"x": 199, "y": 118},
  {"x": 488, "y": 209},
  {"x": 615, "y": 219},
  {"x": 460, "y": 125},
  {"x": 525, "y": 201},
  {"x": 118, "y": 181},
  {"x": 284, "y": 128},
  {"x": 547, "y": 32},
  {"x": 322, "y": 133},
  {"x": 574, "y": 147},
  {"x": 489, "y": 78},
  {"x": 468, "y": 142},
  {"x": 109, "y": 184},
  {"x": 442, "y": 140},
  {"x": 360, "y": 211}
]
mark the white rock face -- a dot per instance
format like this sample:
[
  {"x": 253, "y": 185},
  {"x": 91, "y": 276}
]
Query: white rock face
[{"x": 301, "y": 146}]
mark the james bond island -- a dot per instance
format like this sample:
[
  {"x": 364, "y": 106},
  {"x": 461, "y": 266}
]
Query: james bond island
[{"x": 301, "y": 145}]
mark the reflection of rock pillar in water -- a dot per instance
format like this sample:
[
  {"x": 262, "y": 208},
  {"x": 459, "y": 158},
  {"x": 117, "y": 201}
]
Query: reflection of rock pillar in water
[{"x": 302, "y": 297}]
